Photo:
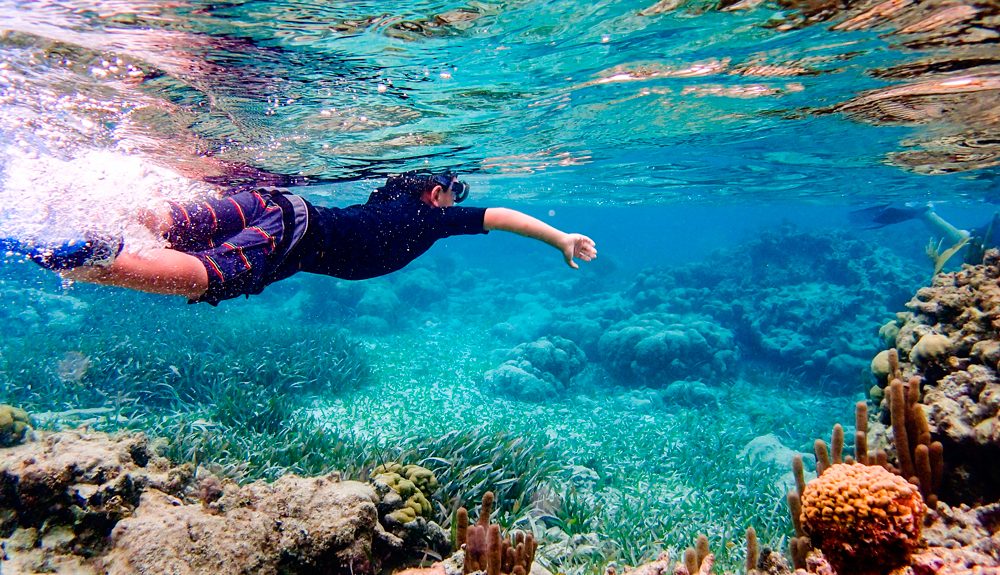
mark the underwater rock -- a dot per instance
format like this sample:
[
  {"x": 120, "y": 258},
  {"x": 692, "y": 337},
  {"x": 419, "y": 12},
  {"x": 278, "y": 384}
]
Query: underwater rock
[
  {"x": 538, "y": 370},
  {"x": 531, "y": 318},
  {"x": 371, "y": 324},
  {"x": 691, "y": 394},
  {"x": 85, "y": 502},
  {"x": 379, "y": 300},
  {"x": 846, "y": 368},
  {"x": 87, "y": 481},
  {"x": 295, "y": 525},
  {"x": 27, "y": 309},
  {"x": 769, "y": 449},
  {"x": 958, "y": 538},
  {"x": 418, "y": 287}
]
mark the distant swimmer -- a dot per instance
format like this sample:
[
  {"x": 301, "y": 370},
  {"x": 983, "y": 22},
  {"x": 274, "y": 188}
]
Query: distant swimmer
[
  {"x": 222, "y": 248},
  {"x": 886, "y": 214},
  {"x": 952, "y": 239}
]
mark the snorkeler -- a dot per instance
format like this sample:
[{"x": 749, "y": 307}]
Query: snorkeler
[
  {"x": 976, "y": 241},
  {"x": 239, "y": 244}
]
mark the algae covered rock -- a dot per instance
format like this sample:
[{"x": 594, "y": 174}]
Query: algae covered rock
[{"x": 14, "y": 425}]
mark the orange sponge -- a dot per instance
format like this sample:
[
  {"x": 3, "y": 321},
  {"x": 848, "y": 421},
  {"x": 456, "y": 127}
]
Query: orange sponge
[{"x": 862, "y": 513}]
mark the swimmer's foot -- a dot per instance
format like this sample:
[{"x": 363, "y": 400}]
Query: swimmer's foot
[{"x": 90, "y": 250}]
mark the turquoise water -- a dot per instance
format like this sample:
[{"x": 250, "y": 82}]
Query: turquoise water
[{"x": 713, "y": 152}]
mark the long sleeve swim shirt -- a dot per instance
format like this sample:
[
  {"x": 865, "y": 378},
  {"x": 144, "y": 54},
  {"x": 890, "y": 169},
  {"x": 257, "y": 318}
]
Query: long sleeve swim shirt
[{"x": 378, "y": 237}]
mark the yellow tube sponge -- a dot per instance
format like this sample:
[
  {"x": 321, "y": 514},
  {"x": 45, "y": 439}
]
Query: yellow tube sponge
[{"x": 857, "y": 512}]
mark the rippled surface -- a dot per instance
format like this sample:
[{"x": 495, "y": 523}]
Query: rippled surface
[{"x": 657, "y": 101}]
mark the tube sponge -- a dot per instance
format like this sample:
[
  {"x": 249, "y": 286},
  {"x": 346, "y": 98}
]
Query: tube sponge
[{"x": 854, "y": 508}]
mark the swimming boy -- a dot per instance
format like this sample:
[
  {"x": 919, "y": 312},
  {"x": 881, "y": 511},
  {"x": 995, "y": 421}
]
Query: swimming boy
[{"x": 237, "y": 245}]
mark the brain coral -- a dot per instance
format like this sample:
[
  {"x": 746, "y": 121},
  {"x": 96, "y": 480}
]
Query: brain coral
[
  {"x": 538, "y": 370},
  {"x": 14, "y": 424},
  {"x": 656, "y": 349},
  {"x": 412, "y": 483},
  {"x": 854, "y": 509}
]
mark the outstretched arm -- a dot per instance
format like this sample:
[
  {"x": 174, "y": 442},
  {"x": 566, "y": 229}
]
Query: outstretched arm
[{"x": 571, "y": 245}]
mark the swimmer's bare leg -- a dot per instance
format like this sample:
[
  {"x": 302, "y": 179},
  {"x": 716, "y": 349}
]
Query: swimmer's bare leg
[{"x": 159, "y": 271}]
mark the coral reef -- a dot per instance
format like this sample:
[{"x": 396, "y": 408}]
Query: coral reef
[
  {"x": 936, "y": 410},
  {"x": 124, "y": 506},
  {"x": 784, "y": 306},
  {"x": 538, "y": 370},
  {"x": 952, "y": 341},
  {"x": 86, "y": 502}
]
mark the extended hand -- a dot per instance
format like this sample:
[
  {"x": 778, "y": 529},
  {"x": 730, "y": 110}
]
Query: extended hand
[{"x": 577, "y": 246}]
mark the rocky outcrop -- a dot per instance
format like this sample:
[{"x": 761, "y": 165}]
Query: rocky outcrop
[{"x": 82, "y": 502}]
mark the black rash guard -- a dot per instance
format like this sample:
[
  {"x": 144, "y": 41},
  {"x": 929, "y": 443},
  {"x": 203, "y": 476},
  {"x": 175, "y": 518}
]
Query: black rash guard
[{"x": 376, "y": 238}]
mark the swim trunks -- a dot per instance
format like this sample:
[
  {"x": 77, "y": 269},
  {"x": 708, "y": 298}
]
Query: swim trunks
[{"x": 238, "y": 238}]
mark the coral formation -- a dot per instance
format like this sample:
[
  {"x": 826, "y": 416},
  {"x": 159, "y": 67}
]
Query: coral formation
[
  {"x": 952, "y": 338},
  {"x": 656, "y": 348},
  {"x": 850, "y": 507},
  {"x": 14, "y": 424},
  {"x": 404, "y": 507},
  {"x": 412, "y": 484},
  {"x": 538, "y": 370},
  {"x": 784, "y": 306},
  {"x": 932, "y": 427},
  {"x": 88, "y": 503},
  {"x": 930, "y": 347},
  {"x": 486, "y": 550}
]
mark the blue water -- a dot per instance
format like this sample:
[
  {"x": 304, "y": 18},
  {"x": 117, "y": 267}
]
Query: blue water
[{"x": 714, "y": 155}]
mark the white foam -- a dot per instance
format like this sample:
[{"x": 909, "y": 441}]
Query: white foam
[{"x": 52, "y": 199}]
